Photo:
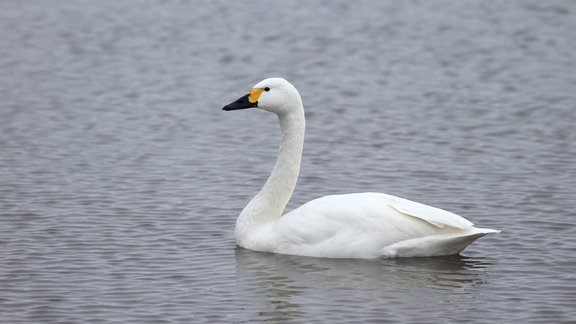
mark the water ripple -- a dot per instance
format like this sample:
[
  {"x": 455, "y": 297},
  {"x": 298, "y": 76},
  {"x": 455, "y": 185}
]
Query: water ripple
[{"x": 121, "y": 178}]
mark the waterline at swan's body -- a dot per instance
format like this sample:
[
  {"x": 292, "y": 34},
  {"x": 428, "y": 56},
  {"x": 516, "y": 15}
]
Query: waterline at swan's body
[{"x": 361, "y": 225}]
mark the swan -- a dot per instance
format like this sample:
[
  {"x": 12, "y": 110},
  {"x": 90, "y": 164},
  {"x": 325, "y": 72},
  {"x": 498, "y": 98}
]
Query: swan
[{"x": 358, "y": 225}]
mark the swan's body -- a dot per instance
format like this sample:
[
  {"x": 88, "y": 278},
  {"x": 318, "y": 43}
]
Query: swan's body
[{"x": 361, "y": 225}]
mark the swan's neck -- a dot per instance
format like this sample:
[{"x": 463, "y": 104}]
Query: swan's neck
[{"x": 268, "y": 205}]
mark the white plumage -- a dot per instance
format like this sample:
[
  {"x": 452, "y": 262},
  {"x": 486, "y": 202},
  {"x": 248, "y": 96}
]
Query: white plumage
[{"x": 360, "y": 225}]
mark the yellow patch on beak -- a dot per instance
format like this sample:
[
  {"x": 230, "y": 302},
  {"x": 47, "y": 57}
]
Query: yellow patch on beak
[{"x": 254, "y": 94}]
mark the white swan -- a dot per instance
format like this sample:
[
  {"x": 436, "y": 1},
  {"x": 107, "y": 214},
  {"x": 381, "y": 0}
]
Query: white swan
[{"x": 360, "y": 225}]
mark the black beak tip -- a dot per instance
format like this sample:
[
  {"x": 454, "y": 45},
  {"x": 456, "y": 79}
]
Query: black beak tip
[
  {"x": 242, "y": 103},
  {"x": 230, "y": 107}
]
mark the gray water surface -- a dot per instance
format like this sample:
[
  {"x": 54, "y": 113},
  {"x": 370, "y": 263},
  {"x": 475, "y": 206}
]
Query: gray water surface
[{"x": 121, "y": 178}]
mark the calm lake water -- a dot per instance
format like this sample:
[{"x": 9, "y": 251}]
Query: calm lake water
[{"x": 121, "y": 178}]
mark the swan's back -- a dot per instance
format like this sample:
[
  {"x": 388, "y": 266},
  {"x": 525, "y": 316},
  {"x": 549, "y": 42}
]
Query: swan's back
[{"x": 366, "y": 225}]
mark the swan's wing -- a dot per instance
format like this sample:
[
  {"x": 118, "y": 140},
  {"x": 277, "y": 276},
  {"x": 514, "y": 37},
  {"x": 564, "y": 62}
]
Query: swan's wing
[
  {"x": 359, "y": 225},
  {"x": 435, "y": 216},
  {"x": 340, "y": 226},
  {"x": 329, "y": 217},
  {"x": 334, "y": 216}
]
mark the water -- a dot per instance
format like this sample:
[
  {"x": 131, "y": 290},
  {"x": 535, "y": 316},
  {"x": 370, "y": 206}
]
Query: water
[{"x": 121, "y": 178}]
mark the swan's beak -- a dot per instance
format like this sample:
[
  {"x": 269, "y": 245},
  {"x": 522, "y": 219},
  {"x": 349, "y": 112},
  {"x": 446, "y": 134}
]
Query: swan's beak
[
  {"x": 248, "y": 101},
  {"x": 241, "y": 103}
]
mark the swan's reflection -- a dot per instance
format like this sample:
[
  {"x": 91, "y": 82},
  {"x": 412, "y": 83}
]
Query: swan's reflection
[{"x": 290, "y": 284}]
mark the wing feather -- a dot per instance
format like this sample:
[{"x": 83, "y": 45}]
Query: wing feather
[{"x": 435, "y": 216}]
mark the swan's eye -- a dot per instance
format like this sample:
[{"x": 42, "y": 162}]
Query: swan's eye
[{"x": 266, "y": 89}]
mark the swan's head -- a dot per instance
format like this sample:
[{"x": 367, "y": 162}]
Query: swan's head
[{"x": 274, "y": 94}]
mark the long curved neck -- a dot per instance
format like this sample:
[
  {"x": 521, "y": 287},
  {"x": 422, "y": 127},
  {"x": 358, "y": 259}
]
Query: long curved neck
[{"x": 269, "y": 203}]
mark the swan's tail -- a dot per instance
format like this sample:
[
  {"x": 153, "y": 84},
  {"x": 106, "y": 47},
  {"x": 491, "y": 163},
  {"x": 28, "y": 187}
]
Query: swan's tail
[
  {"x": 436, "y": 245},
  {"x": 486, "y": 230}
]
